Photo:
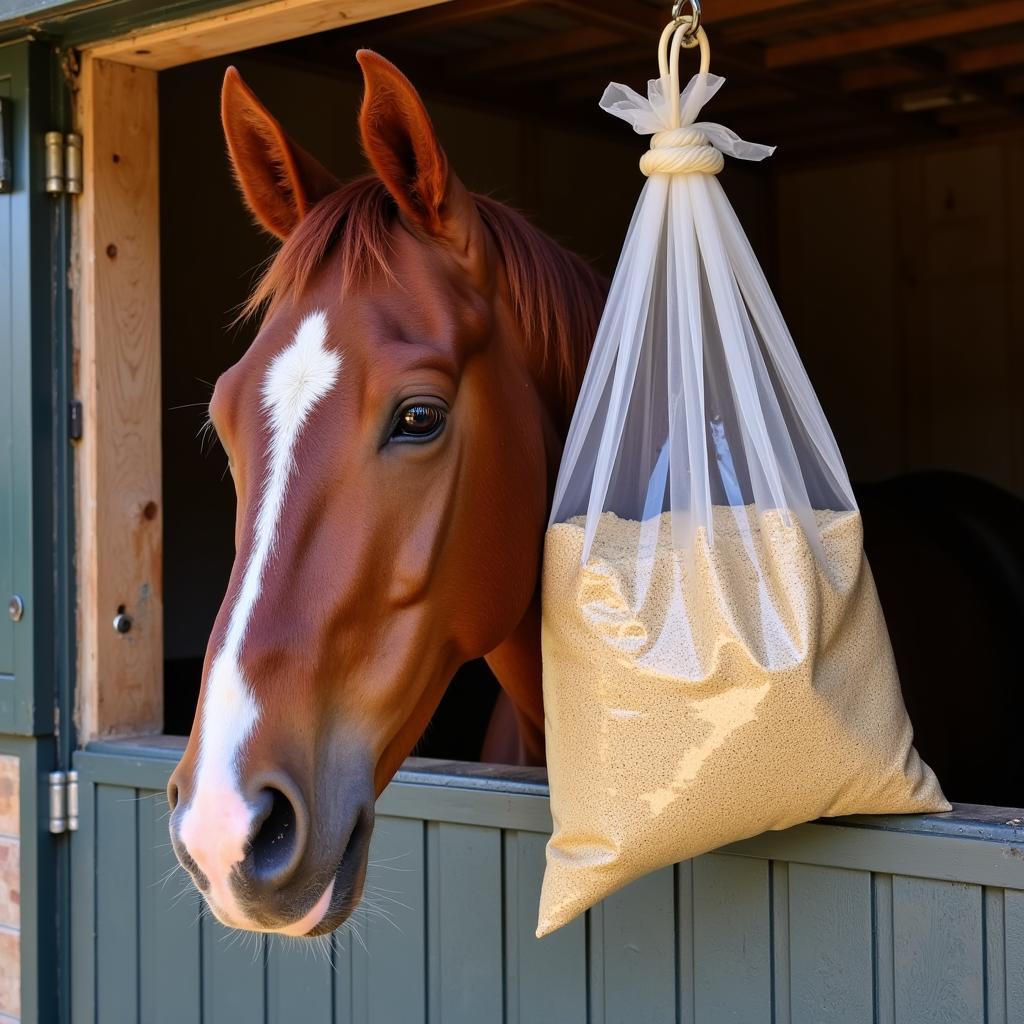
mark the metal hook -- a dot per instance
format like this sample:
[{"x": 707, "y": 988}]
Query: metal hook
[{"x": 694, "y": 19}]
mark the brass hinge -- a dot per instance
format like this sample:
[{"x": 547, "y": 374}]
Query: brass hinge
[
  {"x": 63, "y": 163},
  {"x": 63, "y": 802}
]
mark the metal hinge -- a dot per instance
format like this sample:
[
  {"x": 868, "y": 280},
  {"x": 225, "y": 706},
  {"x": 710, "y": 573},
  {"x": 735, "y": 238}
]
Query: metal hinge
[
  {"x": 63, "y": 802},
  {"x": 63, "y": 163}
]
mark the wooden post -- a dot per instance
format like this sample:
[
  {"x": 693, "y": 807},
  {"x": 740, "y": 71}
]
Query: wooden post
[{"x": 118, "y": 467}]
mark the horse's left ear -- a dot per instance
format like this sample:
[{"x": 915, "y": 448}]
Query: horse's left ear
[
  {"x": 279, "y": 180},
  {"x": 403, "y": 148}
]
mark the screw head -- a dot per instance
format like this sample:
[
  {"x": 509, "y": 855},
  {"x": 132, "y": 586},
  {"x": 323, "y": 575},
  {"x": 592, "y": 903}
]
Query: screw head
[
  {"x": 122, "y": 622},
  {"x": 15, "y": 608}
]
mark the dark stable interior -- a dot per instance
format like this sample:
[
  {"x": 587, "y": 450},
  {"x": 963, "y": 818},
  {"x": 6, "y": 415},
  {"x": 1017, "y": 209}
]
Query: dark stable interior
[{"x": 942, "y": 521}]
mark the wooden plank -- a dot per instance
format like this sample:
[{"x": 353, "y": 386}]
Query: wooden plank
[
  {"x": 169, "y": 936},
  {"x": 732, "y": 940},
  {"x": 83, "y": 885},
  {"x": 802, "y": 17},
  {"x": 985, "y": 58},
  {"x": 117, "y": 951},
  {"x": 685, "y": 1008},
  {"x": 341, "y": 959},
  {"x": 938, "y": 933},
  {"x": 885, "y": 950},
  {"x": 1013, "y": 927},
  {"x": 241, "y": 28},
  {"x": 831, "y": 970},
  {"x": 995, "y": 957},
  {"x": 233, "y": 973},
  {"x": 539, "y": 49},
  {"x": 595, "y": 965},
  {"x": 299, "y": 978},
  {"x": 782, "y": 1000},
  {"x": 639, "y": 951},
  {"x": 469, "y": 924},
  {"x": 879, "y": 76},
  {"x": 545, "y": 979},
  {"x": 896, "y": 852},
  {"x": 118, "y": 460},
  {"x": 894, "y": 34},
  {"x": 393, "y": 920},
  {"x": 466, "y": 806},
  {"x": 447, "y": 14}
]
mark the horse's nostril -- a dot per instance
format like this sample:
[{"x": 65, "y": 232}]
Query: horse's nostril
[
  {"x": 172, "y": 794},
  {"x": 276, "y": 844}
]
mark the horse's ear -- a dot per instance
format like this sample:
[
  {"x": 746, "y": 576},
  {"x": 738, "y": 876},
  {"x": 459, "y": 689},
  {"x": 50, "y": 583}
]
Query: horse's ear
[
  {"x": 401, "y": 144},
  {"x": 279, "y": 180}
]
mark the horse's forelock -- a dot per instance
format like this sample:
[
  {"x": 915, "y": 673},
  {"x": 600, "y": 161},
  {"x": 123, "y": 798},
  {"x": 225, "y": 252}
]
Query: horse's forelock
[{"x": 556, "y": 297}]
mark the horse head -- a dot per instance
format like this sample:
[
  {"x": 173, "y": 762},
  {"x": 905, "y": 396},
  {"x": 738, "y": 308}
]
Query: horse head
[{"x": 392, "y": 433}]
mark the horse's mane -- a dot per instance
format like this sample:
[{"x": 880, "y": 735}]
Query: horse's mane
[{"x": 555, "y": 295}]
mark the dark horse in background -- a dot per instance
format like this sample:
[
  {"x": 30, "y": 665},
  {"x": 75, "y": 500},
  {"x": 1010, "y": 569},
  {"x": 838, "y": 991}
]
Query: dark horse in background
[{"x": 393, "y": 433}]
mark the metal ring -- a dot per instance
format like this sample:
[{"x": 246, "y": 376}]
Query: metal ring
[{"x": 678, "y": 17}]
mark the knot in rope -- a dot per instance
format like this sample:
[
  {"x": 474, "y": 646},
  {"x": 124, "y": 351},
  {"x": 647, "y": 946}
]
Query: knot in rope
[{"x": 681, "y": 151}]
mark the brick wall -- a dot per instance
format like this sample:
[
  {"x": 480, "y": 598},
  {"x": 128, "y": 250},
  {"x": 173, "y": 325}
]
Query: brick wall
[{"x": 10, "y": 892}]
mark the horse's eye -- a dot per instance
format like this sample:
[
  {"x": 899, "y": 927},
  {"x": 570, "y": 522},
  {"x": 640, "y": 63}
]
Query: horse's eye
[{"x": 419, "y": 422}]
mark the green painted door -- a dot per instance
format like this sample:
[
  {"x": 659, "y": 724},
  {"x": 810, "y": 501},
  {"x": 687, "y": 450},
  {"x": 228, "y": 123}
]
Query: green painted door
[
  {"x": 31, "y": 362},
  {"x": 35, "y": 590}
]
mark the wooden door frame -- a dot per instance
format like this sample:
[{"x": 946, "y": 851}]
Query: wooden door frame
[{"x": 116, "y": 268}]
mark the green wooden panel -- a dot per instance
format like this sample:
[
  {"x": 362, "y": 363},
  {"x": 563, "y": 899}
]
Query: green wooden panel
[
  {"x": 117, "y": 951},
  {"x": 170, "y": 955},
  {"x": 1013, "y": 931},
  {"x": 7, "y": 386},
  {"x": 995, "y": 956},
  {"x": 299, "y": 974},
  {"x": 939, "y": 952},
  {"x": 721, "y": 939},
  {"x": 545, "y": 979},
  {"x": 233, "y": 974},
  {"x": 30, "y": 459},
  {"x": 393, "y": 924},
  {"x": 639, "y": 951},
  {"x": 885, "y": 951},
  {"x": 464, "y": 894},
  {"x": 831, "y": 970},
  {"x": 686, "y": 1007},
  {"x": 731, "y": 940},
  {"x": 341, "y": 950}
]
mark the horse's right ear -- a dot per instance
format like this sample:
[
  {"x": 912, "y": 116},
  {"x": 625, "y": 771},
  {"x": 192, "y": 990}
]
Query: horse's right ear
[{"x": 279, "y": 180}]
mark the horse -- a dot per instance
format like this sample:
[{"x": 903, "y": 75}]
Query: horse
[{"x": 393, "y": 433}]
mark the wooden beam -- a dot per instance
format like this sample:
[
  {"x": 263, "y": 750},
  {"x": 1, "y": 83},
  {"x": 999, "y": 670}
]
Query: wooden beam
[
  {"x": 119, "y": 522},
  {"x": 985, "y": 58},
  {"x": 894, "y": 34},
  {"x": 804, "y": 17},
  {"x": 446, "y": 14},
  {"x": 630, "y": 17},
  {"x": 242, "y": 28},
  {"x": 879, "y": 76},
  {"x": 640, "y": 19},
  {"x": 547, "y": 46}
]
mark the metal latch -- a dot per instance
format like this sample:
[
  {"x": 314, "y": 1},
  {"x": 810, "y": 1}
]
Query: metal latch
[
  {"x": 63, "y": 802},
  {"x": 63, "y": 162}
]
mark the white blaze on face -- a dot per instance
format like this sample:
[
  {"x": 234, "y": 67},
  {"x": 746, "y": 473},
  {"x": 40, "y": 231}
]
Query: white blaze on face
[{"x": 216, "y": 824}]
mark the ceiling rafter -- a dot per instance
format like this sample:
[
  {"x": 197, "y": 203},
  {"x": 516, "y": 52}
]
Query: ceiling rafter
[{"x": 894, "y": 34}]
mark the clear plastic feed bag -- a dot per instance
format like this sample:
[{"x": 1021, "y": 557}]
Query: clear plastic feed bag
[{"x": 716, "y": 662}]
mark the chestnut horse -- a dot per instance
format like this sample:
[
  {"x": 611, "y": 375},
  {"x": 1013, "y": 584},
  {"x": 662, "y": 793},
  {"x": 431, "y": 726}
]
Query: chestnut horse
[{"x": 393, "y": 434}]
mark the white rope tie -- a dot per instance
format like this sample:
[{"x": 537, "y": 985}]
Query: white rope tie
[{"x": 681, "y": 151}]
